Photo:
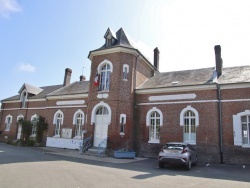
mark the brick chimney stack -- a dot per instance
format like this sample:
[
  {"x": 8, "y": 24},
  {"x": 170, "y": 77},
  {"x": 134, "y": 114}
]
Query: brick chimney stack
[
  {"x": 218, "y": 60},
  {"x": 82, "y": 78},
  {"x": 67, "y": 77},
  {"x": 156, "y": 58}
]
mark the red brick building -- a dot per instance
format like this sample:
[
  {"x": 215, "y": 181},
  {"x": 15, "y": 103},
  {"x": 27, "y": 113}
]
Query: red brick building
[{"x": 129, "y": 101}]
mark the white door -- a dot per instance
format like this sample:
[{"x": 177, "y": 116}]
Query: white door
[
  {"x": 19, "y": 131},
  {"x": 101, "y": 129}
]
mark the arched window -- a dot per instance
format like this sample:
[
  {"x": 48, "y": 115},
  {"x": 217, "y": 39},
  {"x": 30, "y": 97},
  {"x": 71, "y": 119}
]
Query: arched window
[
  {"x": 189, "y": 119},
  {"x": 154, "y": 121},
  {"x": 125, "y": 72},
  {"x": 104, "y": 78},
  {"x": 8, "y": 121},
  {"x": 34, "y": 120},
  {"x": 102, "y": 111},
  {"x": 58, "y": 121},
  {"x": 78, "y": 121}
]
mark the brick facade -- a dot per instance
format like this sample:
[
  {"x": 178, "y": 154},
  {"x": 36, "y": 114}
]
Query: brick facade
[{"x": 124, "y": 97}]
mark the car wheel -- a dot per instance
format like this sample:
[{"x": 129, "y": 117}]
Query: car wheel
[
  {"x": 189, "y": 165},
  {"x": 161, "y": 165}
]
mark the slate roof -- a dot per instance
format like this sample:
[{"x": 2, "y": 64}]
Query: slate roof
[
  {"x": 74, "y": 88},
  {"x": 204, "y": 76},
  {"x": 45, "y": 90},
  {"x": 231, "y": 75},
  {"x": 180, "y": 78}
]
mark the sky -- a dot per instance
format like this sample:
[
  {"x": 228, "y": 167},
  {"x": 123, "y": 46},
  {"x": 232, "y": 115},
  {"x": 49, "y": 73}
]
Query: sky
[{"x": 40, "y": 39}]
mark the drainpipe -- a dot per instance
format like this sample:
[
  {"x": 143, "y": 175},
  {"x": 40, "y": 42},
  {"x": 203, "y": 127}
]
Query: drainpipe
[{"x": 220, "y": 123}]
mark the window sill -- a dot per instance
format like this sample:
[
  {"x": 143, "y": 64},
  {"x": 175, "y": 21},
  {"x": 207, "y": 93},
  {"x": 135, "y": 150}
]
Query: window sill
[
  {"x": 77, "y": 137},
  {"x": 56, "y": 136},
  {"x": 125, "y": 79},
  {"x": 154, "y": 141},
  {"x": 245, "y": 146},
  {"x": 103, "y": 91}
]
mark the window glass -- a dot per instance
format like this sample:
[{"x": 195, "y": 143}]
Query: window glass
[
  {"x": 154, "y": 128},
  {"x": 104, "y": 78},
  {"x": 189, "y": 127}
]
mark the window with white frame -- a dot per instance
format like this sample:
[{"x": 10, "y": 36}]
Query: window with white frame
[
  {"x": 154, "y": 121},
  {"x": 122, "y": 122},
  {"x": 125, "y": 72},
  {"x": 58, "y": 121},
  {"x": 189, "y": 119},
  {"x": 78, "y": 122},
  {"x": 8, "y": 121},
  {"x": 104, "y": 78},
  {"x": 102, "y": 111},
  {"x": 245, "y": 124},
  {"x": 241, "y": 128},
  {"x": 189, "y": 130},
  {"x": 34, "y": 120}
]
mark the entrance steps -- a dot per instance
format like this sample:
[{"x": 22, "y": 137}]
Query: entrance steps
[{"x": 93, "y": 151}]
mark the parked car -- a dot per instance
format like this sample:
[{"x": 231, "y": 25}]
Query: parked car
[{"x": 177, "y": 153}]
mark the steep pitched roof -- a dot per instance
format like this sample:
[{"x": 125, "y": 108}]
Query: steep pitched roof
[{"x": 30, "y": 89}]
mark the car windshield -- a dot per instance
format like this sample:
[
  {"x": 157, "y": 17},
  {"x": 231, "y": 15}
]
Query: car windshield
[{"x": 174, "y": 146}]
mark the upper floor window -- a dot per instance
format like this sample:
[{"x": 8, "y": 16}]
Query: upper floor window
[
  {"x": 34, "y": 120},
  {"x": 58, "y": 121},
  {"x": 8, "y": 121},
  {"x": 104, "y": 78},
  {"x": 154, "y": 121},
  {"x": 125, "y": 72},
  {"x": 189, "y": 119},
  {"x": 23, "y": 99}
]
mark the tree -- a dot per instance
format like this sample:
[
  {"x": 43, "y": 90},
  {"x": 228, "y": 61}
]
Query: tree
[
  {"x": 26, "y": 128},
  {"x": 41, "y": 127}
]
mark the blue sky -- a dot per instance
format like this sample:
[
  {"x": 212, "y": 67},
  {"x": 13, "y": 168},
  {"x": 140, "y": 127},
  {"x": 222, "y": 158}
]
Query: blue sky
[{"x": 39, "y": 39}]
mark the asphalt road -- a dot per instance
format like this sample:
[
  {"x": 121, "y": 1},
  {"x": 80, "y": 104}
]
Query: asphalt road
[{"x": 32, "y": 167}]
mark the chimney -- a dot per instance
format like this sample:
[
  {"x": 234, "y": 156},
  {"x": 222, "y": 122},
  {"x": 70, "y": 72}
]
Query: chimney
[
  {"x": 82, "y": 78},
  {"x": 156, "y": 58},
  {"x": 218, "y": 60},
  {"x": 67, "y": 77}
]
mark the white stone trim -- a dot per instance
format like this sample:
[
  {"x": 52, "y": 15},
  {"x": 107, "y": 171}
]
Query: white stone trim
[
  {"x": 99, "y": 68},
  {"x": 72, "y": 102},
  {"x": 172, "y": 97},
  {"x": 191, "y": 109},
  {"x": 123, "y": 116},
  {"x": 11, "y": 117},
  {"x": 55, "y": 115},
  {"x": 67, "y": 96},
  {"x": 175, "y": 89},
  {"x": 79, "y": 111},
  {"x": 148, "y": 116},
  {"x": 93, "y": 113},
  {"x": 19, "y": 117}
]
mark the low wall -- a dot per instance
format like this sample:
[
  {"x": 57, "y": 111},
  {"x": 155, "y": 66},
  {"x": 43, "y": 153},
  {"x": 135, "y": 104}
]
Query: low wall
[{"x": 63, "y": 143}]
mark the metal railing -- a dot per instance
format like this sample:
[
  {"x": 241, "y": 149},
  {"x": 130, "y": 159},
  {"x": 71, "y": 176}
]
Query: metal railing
[
  {"x": 85, "y": 144},
  {"x": 102, "y": 146}
]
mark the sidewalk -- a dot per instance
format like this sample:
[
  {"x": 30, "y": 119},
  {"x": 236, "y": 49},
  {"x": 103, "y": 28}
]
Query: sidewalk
[{"x": 76, "y": 154}]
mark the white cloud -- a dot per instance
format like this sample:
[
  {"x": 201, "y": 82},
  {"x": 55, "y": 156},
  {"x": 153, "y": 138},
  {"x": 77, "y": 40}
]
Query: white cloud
[
  {"x": 8, "y": 7},
  {"x": 25, "y": 67}
]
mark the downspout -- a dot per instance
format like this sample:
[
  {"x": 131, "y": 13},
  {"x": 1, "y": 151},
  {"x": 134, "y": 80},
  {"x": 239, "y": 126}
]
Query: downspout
[
  {"x": 134, "y": 106},
  {"x": 220, "y": 123}
]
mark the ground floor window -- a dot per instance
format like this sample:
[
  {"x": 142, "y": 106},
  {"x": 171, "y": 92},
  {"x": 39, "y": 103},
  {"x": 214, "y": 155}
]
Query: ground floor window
[
  {"x": 154, "y": 128},
  {"x": 189, "y": 127},
  {"x": 245, "y": 123}
]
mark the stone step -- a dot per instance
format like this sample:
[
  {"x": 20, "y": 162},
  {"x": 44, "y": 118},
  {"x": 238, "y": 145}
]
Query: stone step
[{"x": 93, "y": 151}]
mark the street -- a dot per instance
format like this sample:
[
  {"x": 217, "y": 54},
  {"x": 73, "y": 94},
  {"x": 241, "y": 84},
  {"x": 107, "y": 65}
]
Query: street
[{"x": 32, "y": 167}]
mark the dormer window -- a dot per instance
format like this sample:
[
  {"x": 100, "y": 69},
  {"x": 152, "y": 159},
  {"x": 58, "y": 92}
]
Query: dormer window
[
  {"x": 109, "y": 40},
  {"x": 23, "y": 98}
]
